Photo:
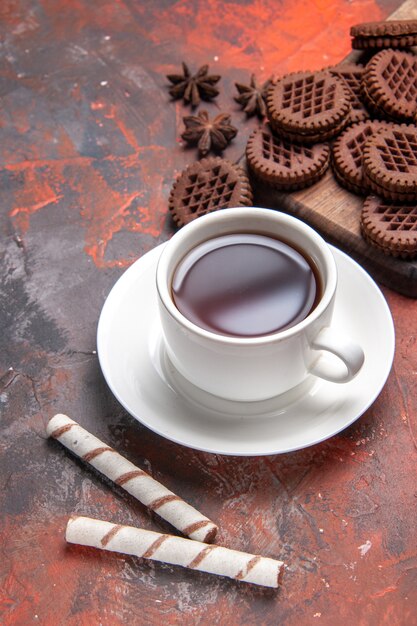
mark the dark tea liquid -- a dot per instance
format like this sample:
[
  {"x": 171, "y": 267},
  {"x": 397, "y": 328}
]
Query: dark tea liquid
[{"x": 245, "y": 285}]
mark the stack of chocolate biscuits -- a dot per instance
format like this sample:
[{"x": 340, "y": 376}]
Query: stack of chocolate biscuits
[{"x": 368, "y": 114}]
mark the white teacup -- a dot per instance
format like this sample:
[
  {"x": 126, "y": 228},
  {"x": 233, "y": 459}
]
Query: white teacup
[{"x": 259, "y": 367}]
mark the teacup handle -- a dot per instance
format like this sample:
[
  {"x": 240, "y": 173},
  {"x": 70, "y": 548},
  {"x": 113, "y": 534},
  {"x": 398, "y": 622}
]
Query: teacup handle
[{"x": 350, "y": 354}]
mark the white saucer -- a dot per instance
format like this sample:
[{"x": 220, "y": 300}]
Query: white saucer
[{"x": 134, "y": 364}]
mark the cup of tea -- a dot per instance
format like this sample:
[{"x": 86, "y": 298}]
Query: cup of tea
[{"x": 246, "y": 298}]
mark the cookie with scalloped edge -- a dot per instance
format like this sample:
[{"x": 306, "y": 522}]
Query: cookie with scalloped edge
[
  {"x": 390, "y": 163},
  {"x": 390, "y": 83},
  {"x": 308, "y": 106},
  {"x": 208, "y": 185},
  {"x": 390, "y": 227},
  {"x": 347, "y": 154},
  {"x": 387, "y": 34},
  {"x": 284, "y": 164}
]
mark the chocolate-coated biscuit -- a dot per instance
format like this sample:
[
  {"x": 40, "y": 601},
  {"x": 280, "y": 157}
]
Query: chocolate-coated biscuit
[
  {"x": 351, "y": 74},
  {"x": 283, "y": 164},
  {"x": 347, "y": 154},
  {"x": 310, "y": 139},
  {"x": 389, "y": 34},
  {"x": 308, "y": 106},
  {"x": 390, "y": 227},
  {"x": 390, "y": 162},
  {"x": 390, "y": 83},
  {"x": 208, "y": 185}
]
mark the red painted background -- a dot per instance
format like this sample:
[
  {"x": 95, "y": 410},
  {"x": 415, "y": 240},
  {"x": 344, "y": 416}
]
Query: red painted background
[{"x": 89, "y": 147}]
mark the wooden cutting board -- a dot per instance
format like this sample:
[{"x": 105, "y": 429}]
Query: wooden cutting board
[{"x": 335, "y": 212}]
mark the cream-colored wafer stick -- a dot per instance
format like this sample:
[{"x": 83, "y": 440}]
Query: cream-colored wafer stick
[
  {"x": 134, "y": 480},
  {"x": 213, "y": 559}
]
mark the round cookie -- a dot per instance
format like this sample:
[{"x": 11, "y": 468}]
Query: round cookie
[
  {"x": 390, "y": 83},
  {"x": 391, "y": 34},
  {"x": 208, "y": 185},
  {"x": 390, "y": 163},
  {"x": 347, "y": 154},
  {"x": 283, "y": 164},
  {"x": 308, "y": 106},
  {"x": 390, "y": 227}
]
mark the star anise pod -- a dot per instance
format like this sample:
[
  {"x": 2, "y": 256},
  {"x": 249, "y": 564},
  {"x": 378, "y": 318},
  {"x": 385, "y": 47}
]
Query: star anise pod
[
  {"x": 208, "y": 134},
  {"x": 193, "y": 88},
  {"x": 252, "y": 97}
]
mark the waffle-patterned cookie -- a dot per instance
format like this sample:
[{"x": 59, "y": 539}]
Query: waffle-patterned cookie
[
  {"x": 351, "y": 74},
  {"x": 390, "y": 163},
  {"x": 392, "y": 228},
  {"x": 390, "y": 82},
  {"x": 377, "y": 35},
  {"x": 308, "y": 106},
  {"x": 347, "y": 154},
  {"x": 206, "y": 186},
  {"x": 283, "y": 164}
]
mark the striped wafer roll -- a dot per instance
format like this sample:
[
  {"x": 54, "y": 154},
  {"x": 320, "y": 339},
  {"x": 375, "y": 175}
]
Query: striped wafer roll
[
  {"x": 134, "y": 480},
  {"x": 203, "y": 557}
]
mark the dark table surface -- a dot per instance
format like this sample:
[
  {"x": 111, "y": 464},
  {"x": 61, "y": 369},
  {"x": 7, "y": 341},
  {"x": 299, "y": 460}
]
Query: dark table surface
[{"x": 89, "y": 147}]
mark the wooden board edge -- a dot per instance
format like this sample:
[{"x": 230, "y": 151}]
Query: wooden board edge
[{"x": 396, "y": 274}]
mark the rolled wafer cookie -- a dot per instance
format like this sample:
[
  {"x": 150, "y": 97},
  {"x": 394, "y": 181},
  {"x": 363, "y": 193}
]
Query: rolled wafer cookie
[
  {"x": 134, "y": 480},
  {"x": 249, "y": 568}
]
